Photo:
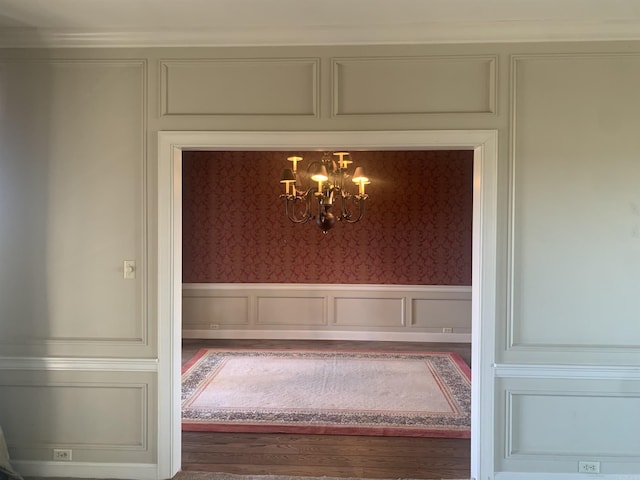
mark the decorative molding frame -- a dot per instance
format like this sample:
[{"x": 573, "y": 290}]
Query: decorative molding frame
[
  {"x": 372, "y": 312},
  {"x": 560, "y": 476},
  {"x": 510, "y": 453},
  {"x": 314, "y": 87},
  {"x": 143, "y": 388},
  {"x": 484, "y": 143},
  {"x": 491, "y": 61},
  {"x": 134, "y": 471},
  {"x": 142, "y": 263},
  {"x": 510, "y": 344}
]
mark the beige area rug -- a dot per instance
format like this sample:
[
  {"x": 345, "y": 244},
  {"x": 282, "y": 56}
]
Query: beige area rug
[{"x": 421, "y": 394}]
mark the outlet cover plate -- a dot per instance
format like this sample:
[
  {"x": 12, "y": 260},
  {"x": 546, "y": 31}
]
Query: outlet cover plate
[
  {"x": 62, "y": 454},
  {"x": 589, "y": 467}
]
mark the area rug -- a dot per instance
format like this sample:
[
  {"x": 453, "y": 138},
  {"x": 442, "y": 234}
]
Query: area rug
[{"x": 420, "y": 394}]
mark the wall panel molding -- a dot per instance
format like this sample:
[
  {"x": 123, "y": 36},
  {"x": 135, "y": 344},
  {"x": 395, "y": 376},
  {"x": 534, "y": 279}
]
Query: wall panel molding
[
  {"x": 561, "y": 476},
  {"x": 134, "y": 471},
  {"x": 414, "y": 85},
  {"x": 388, "y": 335},
  {"x": 569, "y": 372},
  {"x": 304, "y": 310},
  {"x": 68, "y": 90},
  {"x": 240, "y": 86},
  {"x": 620, "y": 65},
  {"x": 67, "y": 426},
  {"x": 366, "y": 312},
  {"x": 567, "y": 428},
  {"x": 79, "y": 364},
  {"x": 225, "y": 310}
]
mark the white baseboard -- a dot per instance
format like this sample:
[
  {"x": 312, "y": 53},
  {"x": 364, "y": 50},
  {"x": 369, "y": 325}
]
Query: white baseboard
[
  {"x": 562, "y": 476},
  {"x": 329, "y": 335},
  {"x": 133, "y": 471}
]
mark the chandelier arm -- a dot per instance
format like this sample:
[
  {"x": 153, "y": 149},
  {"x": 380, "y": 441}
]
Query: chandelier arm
[
  {"x": 345, "y": 214},
  {"x": 361, "y": 202},
  {"x": 291, "y": 212}
]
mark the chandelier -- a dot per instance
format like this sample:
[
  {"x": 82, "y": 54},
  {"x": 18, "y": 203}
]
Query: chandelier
[{"x": 326, "y": 183}]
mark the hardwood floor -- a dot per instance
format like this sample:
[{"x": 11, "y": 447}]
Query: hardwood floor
[{"x": 325, "y": 455}]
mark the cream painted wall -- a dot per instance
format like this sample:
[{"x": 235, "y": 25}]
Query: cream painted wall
[{"x": 78, "y": 189}]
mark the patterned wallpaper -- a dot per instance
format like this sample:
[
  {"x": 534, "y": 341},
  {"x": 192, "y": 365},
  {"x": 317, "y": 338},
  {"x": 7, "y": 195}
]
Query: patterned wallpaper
[{"x": 416, "y": 230}]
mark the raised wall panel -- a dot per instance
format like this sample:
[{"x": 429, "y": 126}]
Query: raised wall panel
[
  {"x": 217, "y": 310},
  {"x": 575, "y": 254},
  {"x": 414, "y": 85},
  {"x": 73, "y": 144},
  {"x": 205, "y": 311},
  {"x": 369, "y": 312},
  {"x": 299, "y": 311},
  {"x": 570, "y": 424},
  {"x": 558, "y": 415},
  {"x": 240, "y": 87},
  {"x": 440, "y": 313},
  {"x": 88, "y": 415}
]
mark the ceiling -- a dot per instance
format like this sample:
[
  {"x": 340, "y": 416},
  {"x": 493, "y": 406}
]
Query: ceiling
[{"x": 311, "y": 22}]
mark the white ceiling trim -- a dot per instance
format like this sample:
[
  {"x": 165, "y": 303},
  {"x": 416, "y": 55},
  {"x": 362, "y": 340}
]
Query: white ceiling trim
[{"x": 443, "y": 32}]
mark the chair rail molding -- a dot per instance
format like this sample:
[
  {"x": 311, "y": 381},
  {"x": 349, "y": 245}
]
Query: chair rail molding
[{"x": 79, "y": 364}]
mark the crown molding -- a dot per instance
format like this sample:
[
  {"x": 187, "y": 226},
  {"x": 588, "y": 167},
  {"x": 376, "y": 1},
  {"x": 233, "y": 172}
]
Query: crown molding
[{"x": 425, "y": 33}]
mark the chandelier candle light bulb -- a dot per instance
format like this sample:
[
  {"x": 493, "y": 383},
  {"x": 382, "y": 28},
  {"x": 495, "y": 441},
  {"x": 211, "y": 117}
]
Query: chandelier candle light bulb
[
  {"x": 331, "y": 188},
  {"x": 295, "y": 159},
  {"x": 288, "y": 178},
  {"x": 342, "y": 163},
  {"x": 360, "y": 179}
]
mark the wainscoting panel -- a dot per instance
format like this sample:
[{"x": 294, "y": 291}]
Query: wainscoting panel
[
  {"x": 573, "y": 418},
  {"x": 240, "y": 87},
  {"x": 568, "y": 113},
  {"x": 414, "y": 85},
  {"x": 369, "y": 312},
  {"x": 99, "y": 415},
  {"x": 228, "y": 310},
  {"x": 291, "y": 311},
  {"x": 77, "y": 209},
  {"x": 206, "y": 312},
  {"x": 56, "y": 419},
  {"x": 560, "y": 421},
  {"x": 441, "y": 313}
]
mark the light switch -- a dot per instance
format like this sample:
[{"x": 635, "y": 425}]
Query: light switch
[{"x": 129, "y": 269}]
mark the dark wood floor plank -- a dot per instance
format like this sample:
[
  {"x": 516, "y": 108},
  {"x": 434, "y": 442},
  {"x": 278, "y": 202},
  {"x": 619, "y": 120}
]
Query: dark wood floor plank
[
  {"x": 325, "y": 455},
  {"x": 434, "y": 447},
  {"x": 285, "y": 470},
  {"x": 340, "y": 459}
]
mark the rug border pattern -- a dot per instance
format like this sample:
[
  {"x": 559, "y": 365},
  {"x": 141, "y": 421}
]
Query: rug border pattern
[{"x": 450, "y": 371}]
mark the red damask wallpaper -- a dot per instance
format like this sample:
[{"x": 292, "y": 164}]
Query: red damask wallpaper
[{"x": 416, "y": 230}]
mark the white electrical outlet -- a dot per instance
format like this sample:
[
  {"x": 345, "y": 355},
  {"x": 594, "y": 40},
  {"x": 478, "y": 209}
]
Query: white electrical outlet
[
  {"x": 214, "y": 326},
  {"x": 589, "y": 467},
  {"x": 62, "y": 454},
  {"x": 447, "y": 330}
]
